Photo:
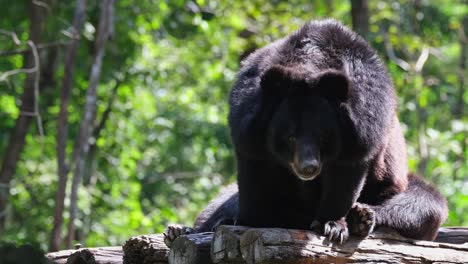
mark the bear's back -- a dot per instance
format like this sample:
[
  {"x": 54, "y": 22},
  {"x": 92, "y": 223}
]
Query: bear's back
[{"x": 318, "y": 45}]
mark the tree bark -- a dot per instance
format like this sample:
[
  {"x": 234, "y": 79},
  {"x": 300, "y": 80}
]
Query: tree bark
[
  {"x": 225, "y": 247},
  {"x": 86, "y": 126},
  {"x": 191, "y": 249},
  {"x": 28, "y": 101},
  {"x": 62, "y": 126},
  {"x": 360, "y": 17},
  {"x": 453, "y": 235},
  {"x": 145, "y": 249}
]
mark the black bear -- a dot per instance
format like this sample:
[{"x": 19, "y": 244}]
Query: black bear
[{"x": 318, "y": 142}]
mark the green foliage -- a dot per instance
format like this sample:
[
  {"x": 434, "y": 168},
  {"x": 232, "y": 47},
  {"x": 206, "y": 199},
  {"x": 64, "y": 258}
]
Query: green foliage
[{"x": 165, "y": 149}]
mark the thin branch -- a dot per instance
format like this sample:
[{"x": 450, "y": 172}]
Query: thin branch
[
  {"x": 16, "y": 40},
  {"x": 437, "y": 53},
  {"x": 13, "y": 36},
  {"x": 71, "y": 33},
  {"x": 38, "y": 47},
  {"x": 7, "y": 74},
  {"x": 391, "y": 54},
  {"x": 36, "y": 70},
  {"x": 37, "y": 65},
  {"x": 422, "y": 59},
  {"x": 42, "y": 4}
]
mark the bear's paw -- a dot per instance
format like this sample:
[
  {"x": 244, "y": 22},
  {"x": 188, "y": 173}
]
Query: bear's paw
[
  {"x": 174, "y": 231},
  {"x": 336, "y": 231},
  {"x": 361, "y": 220}
]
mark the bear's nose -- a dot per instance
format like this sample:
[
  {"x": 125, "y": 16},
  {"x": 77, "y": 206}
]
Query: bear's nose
[{"x": 310, "y": 166}]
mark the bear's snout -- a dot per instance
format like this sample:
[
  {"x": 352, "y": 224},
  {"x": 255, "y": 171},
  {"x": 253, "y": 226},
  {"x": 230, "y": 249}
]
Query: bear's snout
[
  {"x": 310, "y": 166},
  {"x": 306, "y": 169}
]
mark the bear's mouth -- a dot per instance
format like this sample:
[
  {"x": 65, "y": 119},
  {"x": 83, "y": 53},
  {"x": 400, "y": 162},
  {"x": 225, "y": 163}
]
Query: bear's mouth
[{"x": 305, "y": 175}]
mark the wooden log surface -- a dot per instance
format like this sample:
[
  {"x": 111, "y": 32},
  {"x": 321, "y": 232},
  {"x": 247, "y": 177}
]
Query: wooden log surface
[
  {"x": 99, "y": 255},
  {"x": 225, "y": 247},
  {"x": 454, "y": 235},
  {"x": 191, "y": 249},
  {"x": 300, "y": 246},
  {"x": 237, "y": 244},
  {"x": 145, "y": 249}
]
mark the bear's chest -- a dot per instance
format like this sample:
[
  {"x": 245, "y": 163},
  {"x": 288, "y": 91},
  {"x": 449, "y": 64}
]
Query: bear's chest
[{"x": 271, "y": 196}]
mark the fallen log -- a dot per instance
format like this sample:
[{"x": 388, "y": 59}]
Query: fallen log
[
  {"x": 100, "y": 255},
  {"x": 191, "y": 249},
  {"x": 137, "y": 250},
  {"x": 299, "y": 246},
  {"x": 225, "y": 247},
  {"x": 454, "y": 235},
  {"x": 238, "y": 244},
  {"x": 145, "y": 249}
]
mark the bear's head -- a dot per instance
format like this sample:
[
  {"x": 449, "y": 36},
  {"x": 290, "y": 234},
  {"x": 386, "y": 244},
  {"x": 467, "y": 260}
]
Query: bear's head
[{"x": 304, "y": 130}]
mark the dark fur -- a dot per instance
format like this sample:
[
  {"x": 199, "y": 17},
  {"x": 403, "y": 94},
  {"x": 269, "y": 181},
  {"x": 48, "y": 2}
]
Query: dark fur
[
  {"x": 223, "y": 210},
  {"x": 322, "y": 81}
]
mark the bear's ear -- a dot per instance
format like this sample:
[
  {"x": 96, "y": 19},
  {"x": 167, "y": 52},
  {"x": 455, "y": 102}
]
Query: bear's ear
[
  {"x": 332, "y": 84},
  {"x": 275, "y": 79},
  {"x": 280, "y": 80}
]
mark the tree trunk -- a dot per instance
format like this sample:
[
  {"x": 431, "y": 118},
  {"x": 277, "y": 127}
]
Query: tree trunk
[
  {"x": 463, "y": 35},
  {"x": 460, "y": 106},
  {"x": 91, "y": 158},
  {"x": 86, "y": 126},
  {"x": 27, "y": 111},
  {"x": 329, "y": 7},
  {"x": 360, "y": 17},
  {"x": 62, "y": 126}
]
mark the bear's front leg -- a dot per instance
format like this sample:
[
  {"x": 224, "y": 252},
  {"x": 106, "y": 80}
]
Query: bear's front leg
[{"x": 341, "y": 187}]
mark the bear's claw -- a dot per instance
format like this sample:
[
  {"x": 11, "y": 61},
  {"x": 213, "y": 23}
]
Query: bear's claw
[{"x": 336, "y": 231}]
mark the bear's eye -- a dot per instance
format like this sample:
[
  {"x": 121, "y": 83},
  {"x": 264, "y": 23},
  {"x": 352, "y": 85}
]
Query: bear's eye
[{"x": 291, "y": 138}]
